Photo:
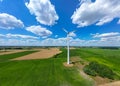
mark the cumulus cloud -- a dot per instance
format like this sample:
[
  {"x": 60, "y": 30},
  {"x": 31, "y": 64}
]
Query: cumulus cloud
[
  {"x": 118, "y": 21},
  {"x": 98, "y": 12},
  {"x": 40, "y": 31},
  {"x": 8, "y": 21},
  {"x": 111, "y": 39},
  {"x": 43, "y": 10},
  {"x": 106, "y": 39},
  {"x": 61, "y": 42},
  {"x": 111, "y": 34},
  {"x": 72, "y": 34},
  {"x": 36, "y": 42},
  {"x": 19, "y": 42},
  {"x": 82, "y": 1},
  {"x": 15, "y": 36}
]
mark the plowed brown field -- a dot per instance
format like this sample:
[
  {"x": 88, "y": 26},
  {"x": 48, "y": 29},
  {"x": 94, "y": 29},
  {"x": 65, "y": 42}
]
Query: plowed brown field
[{"x": 42, "y": 54}]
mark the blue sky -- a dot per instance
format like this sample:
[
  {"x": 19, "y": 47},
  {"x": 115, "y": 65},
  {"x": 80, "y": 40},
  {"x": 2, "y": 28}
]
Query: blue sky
[{"x": 40, "y": 22}]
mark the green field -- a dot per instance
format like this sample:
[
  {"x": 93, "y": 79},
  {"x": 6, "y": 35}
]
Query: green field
[
  {"x": 108, "y": 57},
  {"x": 51, "y": 72},
  {"x": 48, "y": 72}
]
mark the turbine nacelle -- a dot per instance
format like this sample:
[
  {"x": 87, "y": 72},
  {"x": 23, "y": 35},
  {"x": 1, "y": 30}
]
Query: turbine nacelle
[{"x": 68, "y": 32}]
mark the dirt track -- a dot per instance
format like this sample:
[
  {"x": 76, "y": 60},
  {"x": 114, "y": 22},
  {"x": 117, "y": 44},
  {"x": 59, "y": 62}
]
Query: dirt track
[
  {"x": 117, "y": 83},
  {"x": 42, "y": 54}
]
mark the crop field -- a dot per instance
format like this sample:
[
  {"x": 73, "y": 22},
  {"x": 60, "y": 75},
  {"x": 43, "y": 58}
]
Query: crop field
[
  {"x": 6, "y": 57},
  {"x": 107, "y": 57},
  {"x": 51, "y": 71},
  {"x": 45, "y": 72}
]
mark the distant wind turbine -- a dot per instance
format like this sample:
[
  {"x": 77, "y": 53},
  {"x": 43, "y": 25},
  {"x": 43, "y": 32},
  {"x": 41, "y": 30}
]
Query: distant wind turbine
[{"x": 68, "y": 45}]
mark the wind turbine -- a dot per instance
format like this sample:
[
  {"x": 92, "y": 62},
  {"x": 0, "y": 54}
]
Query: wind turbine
[{"x": 68, "y": 45}]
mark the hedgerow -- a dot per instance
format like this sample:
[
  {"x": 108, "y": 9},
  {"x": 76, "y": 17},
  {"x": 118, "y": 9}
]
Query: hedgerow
[{"x": 96, "y": 69}]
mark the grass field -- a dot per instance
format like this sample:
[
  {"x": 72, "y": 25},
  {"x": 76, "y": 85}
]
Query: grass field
[
  {"x": 51, "y": 72},
  {"x": 47, "y": 72},
  {"x": 107, "y": 57}
]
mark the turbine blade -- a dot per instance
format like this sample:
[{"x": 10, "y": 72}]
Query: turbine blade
[
  {"x": 65, "y": 30},
  {"x": 73, "y": 31}
]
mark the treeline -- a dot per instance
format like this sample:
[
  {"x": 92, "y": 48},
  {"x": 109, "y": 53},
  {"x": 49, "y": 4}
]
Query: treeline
[
  {"x": 13, "y": 47},
  {"x": 114, "y": 48}
]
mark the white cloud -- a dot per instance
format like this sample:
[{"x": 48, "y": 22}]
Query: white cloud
[
  {"x": 40, "y": 31},
  {"x": 38, "y": 42},
  {"x": 98, "y": 12},
  {"x": 54, "y": 42},
  {"x": 111, "y": 39},
  {"x": 104, "y": 39},
  {"x": 8, "y": 21},
  {"x": 111, "y": 34},
  {"x": 61, "y": 42},
  {"x": 15, "y": 36},
  {"x": 82, "y": 1},
  {"x": 1, "y": 35},
  {"x": 118, "y": 21},
  {"x": 108, "y": 41},
  {"x": 19, "y": 42},
  {"x": 56, "y": 36},
  {"x": 72, "y": 34},
  {"x": 43, "y": 10}
]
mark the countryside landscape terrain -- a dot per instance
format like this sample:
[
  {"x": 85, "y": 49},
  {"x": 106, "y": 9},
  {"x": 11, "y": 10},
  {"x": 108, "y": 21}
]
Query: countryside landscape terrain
[
  {"x": 17, "y": 69},
  {"x": 59, "y": 42}
]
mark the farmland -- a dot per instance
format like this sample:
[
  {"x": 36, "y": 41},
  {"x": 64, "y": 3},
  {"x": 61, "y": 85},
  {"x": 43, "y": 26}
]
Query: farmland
[
  {"x": 45, "y": 72},
  {"x": 107, "y": 57},
  {"x": 6, "y": 57},
  {"x": 51, "y": 71}
]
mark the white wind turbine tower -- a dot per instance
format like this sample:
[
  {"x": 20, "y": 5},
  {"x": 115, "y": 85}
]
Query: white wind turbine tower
[{"x": 68, "y": 45}]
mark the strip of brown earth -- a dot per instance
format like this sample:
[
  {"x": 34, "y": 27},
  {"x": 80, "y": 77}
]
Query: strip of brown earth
[
  {"x": 99, "y": 80},
  {"x": 67, "y": 65},
  {"x": 10, "y": 51},
  {"x": 117, "y": 83},
  {"x": 80, "y": 63},
  {"x": 42, "y": 54}
]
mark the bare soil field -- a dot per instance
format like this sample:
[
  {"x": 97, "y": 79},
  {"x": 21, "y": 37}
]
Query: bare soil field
[
  {"x": 42, "y": 54},
  {"x": 10, "y": 51}
]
